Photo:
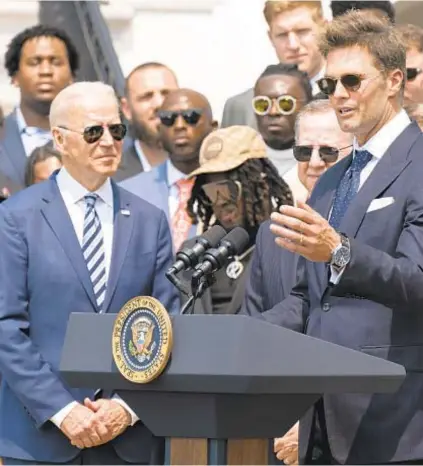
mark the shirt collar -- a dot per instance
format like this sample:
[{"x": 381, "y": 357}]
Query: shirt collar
[
  {"x": 378, "y": 144},
  {"x": 74, "y": 192},
  {"x": 22, "y": 126},
  {"x": 316, "y": 77},
  {"x": 173, "y": 174},
  {"x": 143, "y": 159}
]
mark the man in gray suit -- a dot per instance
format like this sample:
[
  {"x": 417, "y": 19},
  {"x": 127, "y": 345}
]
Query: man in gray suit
[
  {"x": 293, "y": 28},
  {"x": 360, "y": 240}
]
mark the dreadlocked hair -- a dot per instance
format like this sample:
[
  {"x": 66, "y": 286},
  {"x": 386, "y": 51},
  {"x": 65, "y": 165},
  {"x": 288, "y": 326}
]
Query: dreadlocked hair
[{"x": 261, "y": 184}]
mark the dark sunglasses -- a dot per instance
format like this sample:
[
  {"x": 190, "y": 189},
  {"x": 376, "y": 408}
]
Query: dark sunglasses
[
  {"x": 286, "y": 104},
  {"x": 412, "y": 73},
  {"x": 351, "y": 82},
  {"x": 92, "y": 134},
  {"x": 327, "y": 154},
  {"x": 191, "y": 116}
]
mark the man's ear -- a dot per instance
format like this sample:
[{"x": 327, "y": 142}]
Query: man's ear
[
  {"x": 126, "y": 110},
  {"x": 58, "y": 138}
]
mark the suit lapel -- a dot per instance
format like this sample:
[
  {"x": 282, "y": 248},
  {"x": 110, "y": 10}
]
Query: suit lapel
[
  {"x": 57, "y": 216},
  {"x": 393, "y": 162},
  {"x": 14, "y": 147},
  {"x": 122, "y": 231}
]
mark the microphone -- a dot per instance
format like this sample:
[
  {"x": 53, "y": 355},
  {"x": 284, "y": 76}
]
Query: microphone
[
  {"x": 189, "y": 257},
  {"x": 214, "y": 259}
]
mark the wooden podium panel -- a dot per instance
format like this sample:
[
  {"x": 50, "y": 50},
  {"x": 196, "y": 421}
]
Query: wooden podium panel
[{"x": 238, "y": 452}]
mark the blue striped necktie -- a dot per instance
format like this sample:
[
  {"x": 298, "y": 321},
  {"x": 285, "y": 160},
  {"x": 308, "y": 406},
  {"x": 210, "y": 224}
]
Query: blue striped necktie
[
  {"x": 93, "y": 250},
  {"x": 348, "y": 187}
]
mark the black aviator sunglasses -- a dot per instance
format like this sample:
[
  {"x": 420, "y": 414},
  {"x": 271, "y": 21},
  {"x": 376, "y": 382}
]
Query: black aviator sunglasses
[
  {"x": 92, "y": 134},
  {"x": 191, "y": 116},
  {"x": 327, "y": 154}
]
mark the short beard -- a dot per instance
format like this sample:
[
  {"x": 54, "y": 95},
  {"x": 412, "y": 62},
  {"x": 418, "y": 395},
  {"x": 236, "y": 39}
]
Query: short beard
[{"x": 141, "y": 132}]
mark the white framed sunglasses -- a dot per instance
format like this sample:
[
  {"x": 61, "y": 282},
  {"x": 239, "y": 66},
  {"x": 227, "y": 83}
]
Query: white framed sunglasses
[{"x": 286, "y": 104}]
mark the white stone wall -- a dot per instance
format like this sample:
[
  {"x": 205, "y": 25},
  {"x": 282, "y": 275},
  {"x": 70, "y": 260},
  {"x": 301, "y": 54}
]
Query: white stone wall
[{"x": 217, "y": 47}]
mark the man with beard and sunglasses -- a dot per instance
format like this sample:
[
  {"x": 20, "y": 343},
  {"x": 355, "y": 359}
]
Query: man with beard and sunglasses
[
  {"x": 360, "y": 274},
  {"x": 74, "y": 243},
  {"x": 146, "y": 87},
  {"x": 235, "y": 185},
  {"x": 319, "y": 144},
  {"x": 41, "y": 61},
  {"x": 185, "y": 120},
  {"x": 279, "y": 94}
]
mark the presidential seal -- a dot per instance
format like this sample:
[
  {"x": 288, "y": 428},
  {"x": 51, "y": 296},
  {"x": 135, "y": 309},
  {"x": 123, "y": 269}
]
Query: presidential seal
[{"x": 142, "y": 339}]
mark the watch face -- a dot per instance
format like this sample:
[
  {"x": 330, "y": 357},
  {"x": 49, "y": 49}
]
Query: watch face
[{"x": 342, "y": 256}]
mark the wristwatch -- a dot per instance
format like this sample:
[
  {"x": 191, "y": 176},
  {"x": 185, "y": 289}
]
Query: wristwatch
[{"x": 341, "y": 255}]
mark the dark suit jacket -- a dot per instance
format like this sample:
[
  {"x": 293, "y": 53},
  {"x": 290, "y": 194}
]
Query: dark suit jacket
[
  {"x": 12, "y": 155},
  {"x": 376, "y": 308},
  {"x": 271, "y": 276},
  {"x": 44, "y": 278},
  {"x": 204, "y": 305},
  {"x": 130, "y": 164},
  {"x": 239, "y": 111}
]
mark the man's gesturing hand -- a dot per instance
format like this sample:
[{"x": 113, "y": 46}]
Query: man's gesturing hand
[
  {"x": 304, "y": 231},
  {"x": 82, "y": 428},
  {"x": 112, "y": 415}
]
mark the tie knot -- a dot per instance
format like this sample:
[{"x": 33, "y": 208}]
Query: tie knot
[
  {"x": 360, "y": 160},
  {"x": 185, "y": 185},
  {"x": 90, "y": 199}
]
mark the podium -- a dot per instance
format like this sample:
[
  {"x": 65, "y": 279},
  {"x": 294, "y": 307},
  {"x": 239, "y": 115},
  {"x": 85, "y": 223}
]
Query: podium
[{"x": 231, "y": 384}]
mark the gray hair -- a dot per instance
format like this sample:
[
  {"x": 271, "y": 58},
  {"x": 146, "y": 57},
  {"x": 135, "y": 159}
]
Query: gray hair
[
  {"x": 313, "y": 107},
  {"x": 72, "y": 96}
]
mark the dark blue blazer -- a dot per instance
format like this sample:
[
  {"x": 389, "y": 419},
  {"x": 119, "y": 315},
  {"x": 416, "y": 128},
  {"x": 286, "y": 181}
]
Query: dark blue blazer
[
  {"x": 376, "y": 308},
  {"x": 271, "y": 276},
  {"x": 43, "y": 279},
  {"x": 153, "y": 187},
  {"x": 12, "y": 154}
]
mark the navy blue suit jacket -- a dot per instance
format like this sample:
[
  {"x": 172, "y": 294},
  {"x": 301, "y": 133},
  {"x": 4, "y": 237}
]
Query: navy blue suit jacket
[
  {"x": 13, "y": 158},
  {"x": 153, "y": 187},
  {"x": 376, "y": 308},
  {"x": 44, "y": 278}
]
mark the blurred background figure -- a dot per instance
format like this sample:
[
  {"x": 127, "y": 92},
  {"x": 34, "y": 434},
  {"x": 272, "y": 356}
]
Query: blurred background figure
[
  {"x": 293, "y": 30},
  {"x": 146, "y": 87},
  {"x": 381, "y": 8},
  {"x": 413, "y": 40},
  {"x": 186, "y": 119},
  {"x": 40, "y": 61},
  {"x": 235, "y": 185},
  {"x": 42, "y": 163}
]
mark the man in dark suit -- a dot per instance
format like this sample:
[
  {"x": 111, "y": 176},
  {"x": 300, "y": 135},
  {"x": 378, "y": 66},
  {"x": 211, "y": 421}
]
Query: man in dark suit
[
  {"x": 360, "y": 241},
  {"x": 76, "y": 242},
  {"x": 146, "y": 87},
  {"x": 41, "y": 61}
]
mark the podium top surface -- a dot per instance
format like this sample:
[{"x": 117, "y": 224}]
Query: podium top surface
[{"x": 228, "y": 354}]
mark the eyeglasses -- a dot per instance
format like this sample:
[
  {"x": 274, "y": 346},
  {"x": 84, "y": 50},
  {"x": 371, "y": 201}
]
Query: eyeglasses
[
  {"x": 92, "y": 134},
  {"x": 225, "y": 192},
  {"x": 412, "y": 73},
  {"x": 286, "y": 104},
  {"x": 327, "y": 154},
  {"x": 191, "y": 116},
  {"x": 351, "y": 82}
]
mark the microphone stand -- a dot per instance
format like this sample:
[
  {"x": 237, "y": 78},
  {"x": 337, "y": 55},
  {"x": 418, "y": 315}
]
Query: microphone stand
[{"x": 199, "y": 288}]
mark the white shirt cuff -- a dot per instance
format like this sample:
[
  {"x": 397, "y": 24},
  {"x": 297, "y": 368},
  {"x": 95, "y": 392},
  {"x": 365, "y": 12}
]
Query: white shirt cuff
[
  {"x": 134, "y": 417},
  {"x": 335, "y": 275},
  {"x": 59, "y": 417}
]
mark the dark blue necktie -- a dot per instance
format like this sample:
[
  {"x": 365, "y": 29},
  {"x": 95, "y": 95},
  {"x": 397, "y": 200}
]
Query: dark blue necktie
[{"x": 348, "y": 187}]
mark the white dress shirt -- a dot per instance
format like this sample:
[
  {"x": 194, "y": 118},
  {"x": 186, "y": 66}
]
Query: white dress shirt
[
  {"x": 377, "y": 145},
  {"x": 315, "y": 89},
  {"x": 73, "y": 196},
  {"x": 143, "y": 159}
]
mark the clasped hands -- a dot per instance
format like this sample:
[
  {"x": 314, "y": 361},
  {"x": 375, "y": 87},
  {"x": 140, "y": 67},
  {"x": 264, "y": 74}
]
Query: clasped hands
[
  {"x": 303, "y": 231},
  {"x": 95, "y": 422}
]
